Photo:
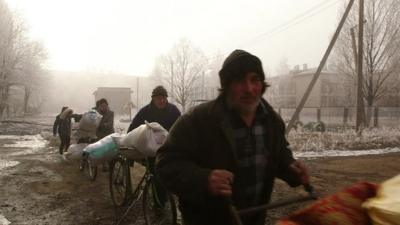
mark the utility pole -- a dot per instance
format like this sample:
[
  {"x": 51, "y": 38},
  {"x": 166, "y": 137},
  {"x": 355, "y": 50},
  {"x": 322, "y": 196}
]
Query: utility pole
[
  {"x": 360, "y": 105},
  {"x": 137, "y": 93},
  {"x": 203, "y": 86},
  {"x": 319, "y": 69}
]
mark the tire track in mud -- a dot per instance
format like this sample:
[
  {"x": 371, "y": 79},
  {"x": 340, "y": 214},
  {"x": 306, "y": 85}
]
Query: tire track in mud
[{"x": 44, "y": 189}]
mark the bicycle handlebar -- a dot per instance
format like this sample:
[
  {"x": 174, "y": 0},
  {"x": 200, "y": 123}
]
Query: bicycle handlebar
[{"x": 237, "y": 213}]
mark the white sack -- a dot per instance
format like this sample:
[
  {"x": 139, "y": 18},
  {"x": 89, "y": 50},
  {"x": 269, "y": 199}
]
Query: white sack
[
  {"x": 129, "y": 152},
  {"x": 147, "y": 138},
  {"x": 75, "y": 152},
  {"x": 88, "y": 124}
]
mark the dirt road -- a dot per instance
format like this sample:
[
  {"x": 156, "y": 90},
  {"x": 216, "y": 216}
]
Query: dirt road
[{"x": 39, "y": 187}]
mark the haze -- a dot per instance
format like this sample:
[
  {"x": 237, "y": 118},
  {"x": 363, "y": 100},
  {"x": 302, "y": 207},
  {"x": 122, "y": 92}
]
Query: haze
[{"x": 126, "y": 37}]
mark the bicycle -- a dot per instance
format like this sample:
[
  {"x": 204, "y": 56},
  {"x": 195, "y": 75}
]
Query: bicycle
[
  {"x": 89, "y": 169},
  {"x": 126, "y": 194},
  {"x": 85, "y": 164}
]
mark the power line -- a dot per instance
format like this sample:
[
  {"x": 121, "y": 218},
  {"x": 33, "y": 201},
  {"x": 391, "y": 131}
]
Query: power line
[
  {"x": 284, "y": 26},
  {"x": 299, "y": 18}
]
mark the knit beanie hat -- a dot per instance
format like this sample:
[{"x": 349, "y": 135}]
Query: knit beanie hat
[
  {"x": 159, "y": 90},
  {"x": 237, "y": 64}
]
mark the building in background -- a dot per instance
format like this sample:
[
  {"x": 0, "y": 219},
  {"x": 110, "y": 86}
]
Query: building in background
[
  {"x": 119, "y": 98},
  {"x": 330, "y": 90}
]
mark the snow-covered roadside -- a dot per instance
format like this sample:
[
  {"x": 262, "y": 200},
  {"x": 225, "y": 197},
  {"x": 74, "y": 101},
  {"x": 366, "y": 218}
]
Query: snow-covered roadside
[
  {"x": 335, "y": 153},
  {"x": 377, "y": 138}
]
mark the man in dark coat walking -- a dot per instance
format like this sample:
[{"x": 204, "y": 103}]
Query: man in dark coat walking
[
  {"x": 161, "y": 111},
  {"x": 232, "y": 147}
]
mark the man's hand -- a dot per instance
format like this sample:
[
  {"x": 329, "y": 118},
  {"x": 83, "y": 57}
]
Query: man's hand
[
  {"x": 301, "y": 171},
  {"x": 219, "y": 183}
]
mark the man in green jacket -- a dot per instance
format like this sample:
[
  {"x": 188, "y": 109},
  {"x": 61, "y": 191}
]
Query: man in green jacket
[{"x": 231, "y": 147}]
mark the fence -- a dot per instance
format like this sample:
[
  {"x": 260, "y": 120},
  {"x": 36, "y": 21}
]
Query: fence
[{"x": 345, "y": 116}]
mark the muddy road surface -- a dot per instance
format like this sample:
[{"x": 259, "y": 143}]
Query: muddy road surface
[{"x": 39, "y": 187}]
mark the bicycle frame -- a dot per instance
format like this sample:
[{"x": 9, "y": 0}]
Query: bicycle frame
[
  {"x": 146, "y": 182},
  {"x": 138, "y": 191}
]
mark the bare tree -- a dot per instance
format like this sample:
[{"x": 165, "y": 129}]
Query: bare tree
[
  {"x": 381, "y": 48},
  {"x": 181, "y": 69},
  {"x": 34, "y": 78},
  {"x": 6, "y": 53},
  {"x": 20, "y": 58}
]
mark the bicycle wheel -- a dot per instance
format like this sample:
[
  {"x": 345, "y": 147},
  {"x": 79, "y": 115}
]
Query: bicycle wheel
[
  {"x": 90, "y": 170},
  {"x": 156, "y": 211},
  {"x": 120, "y": 182}
]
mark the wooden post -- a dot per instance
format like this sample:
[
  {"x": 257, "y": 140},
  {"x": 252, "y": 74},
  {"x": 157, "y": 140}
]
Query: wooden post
[
  {"x": 376, "y": 116},
  {"x": 318, "y": 114},
  {"x": 137, "y": 93},
  {"x": 345, "y": 116}
]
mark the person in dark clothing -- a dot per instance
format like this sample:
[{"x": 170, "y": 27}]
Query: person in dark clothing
[
  {"x": 232, "y": 147},
  {"x": 106, "y": 125},
  {"x": 161, "y": 111},
  {"x": 62, "y": 126}
]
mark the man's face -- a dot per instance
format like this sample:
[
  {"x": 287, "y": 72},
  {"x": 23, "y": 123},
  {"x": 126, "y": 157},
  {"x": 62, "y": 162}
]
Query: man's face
[
  {"x": 244, "y": 95},
  {"x": 103, "y": 107},
  {"x": 160, "y": 101}
]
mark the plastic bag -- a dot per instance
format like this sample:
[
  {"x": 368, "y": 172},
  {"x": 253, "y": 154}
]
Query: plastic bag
[
  {"x": 103, "y": 150},
  {"x": 384, "y": 208},
  {"x": 147, "y": 138},
  {"x": 88, "y": 124},
  {"x": 75, "y": 152}
]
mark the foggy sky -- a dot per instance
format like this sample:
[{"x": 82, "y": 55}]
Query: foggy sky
[{"x": 126, "y": 36}]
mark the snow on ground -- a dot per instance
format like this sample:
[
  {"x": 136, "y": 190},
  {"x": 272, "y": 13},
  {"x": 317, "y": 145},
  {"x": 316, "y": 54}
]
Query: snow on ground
[
  {"x": 334, "y": 153},
  {"x": 376, "y": 138},
  {"x": 3, "y": 220},
  {"x": 25, "y": 141},
  {"x": 33, "y": 143},
  {"x": 5, "y": 164}
]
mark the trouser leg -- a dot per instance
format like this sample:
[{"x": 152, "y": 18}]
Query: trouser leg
[
  {"x": 62, "y": 144},
  {"x": 161, "y": 192}
]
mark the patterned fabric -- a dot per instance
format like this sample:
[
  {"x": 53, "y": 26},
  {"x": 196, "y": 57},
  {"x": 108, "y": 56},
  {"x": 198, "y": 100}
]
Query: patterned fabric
[
  {"x": 342, "y": 208},
  {"x": 250, "y": 151}
]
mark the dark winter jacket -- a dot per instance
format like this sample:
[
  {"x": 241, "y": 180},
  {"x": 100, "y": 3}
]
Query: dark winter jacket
[
  {"x": 166, "y": 117},
  {"x": 106, "y": 125},
  {"x": 202, "y": 140},
  {"x": 63, "y": 126}
]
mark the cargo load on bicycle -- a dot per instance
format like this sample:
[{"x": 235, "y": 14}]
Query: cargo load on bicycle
[
  {"x": 144, "y": 141},
  {"x": 103, "y": 150},
  {"x": 88, "y": 124},
  {"x": 85, "y": 134},
  {"x": 141, "y": 142}
]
